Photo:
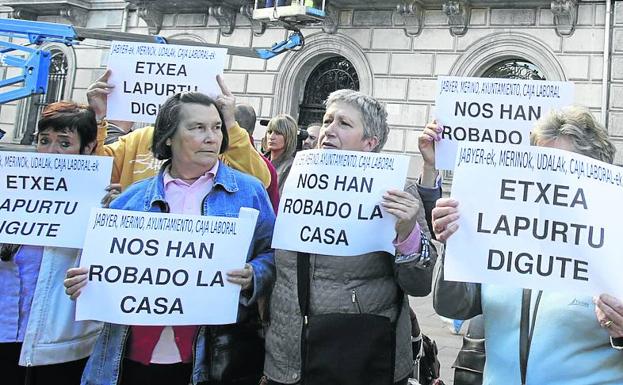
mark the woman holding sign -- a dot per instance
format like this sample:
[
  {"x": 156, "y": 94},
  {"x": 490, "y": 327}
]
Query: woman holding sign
[
  {"x": 190, "y": 134},
  {"x": 542, "y": 337},
  {"x": 350, "y": 296},
  {"x": 38, "y": 328}
]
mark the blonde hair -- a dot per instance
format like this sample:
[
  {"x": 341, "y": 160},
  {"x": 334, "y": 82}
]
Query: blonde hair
[
  {"x": 285, "y": 125},
  {"x": 589, "y": 137}
]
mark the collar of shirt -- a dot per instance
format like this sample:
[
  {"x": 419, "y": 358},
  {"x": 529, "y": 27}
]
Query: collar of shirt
[
  {"x": 207, "y": 176},
  {"x": 184, "y": 197}
]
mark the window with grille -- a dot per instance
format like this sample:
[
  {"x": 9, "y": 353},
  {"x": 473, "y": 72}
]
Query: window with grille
[{"x": 332, "y": 74}]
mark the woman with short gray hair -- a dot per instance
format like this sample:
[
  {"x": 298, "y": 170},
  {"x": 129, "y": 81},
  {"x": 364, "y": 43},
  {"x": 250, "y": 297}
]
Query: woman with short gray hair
[
  {"x": 575, "y": 129},
  {"x": 578, "y": 339},
  {"x": 372, "y": 111},
  {"x": 374, "y": 284}
]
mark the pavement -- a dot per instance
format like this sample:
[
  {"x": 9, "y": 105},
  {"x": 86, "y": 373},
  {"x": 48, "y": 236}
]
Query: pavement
[{"x": 448, "y": 343}]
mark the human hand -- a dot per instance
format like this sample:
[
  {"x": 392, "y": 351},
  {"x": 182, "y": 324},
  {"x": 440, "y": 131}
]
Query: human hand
[
  {"x": 97, "y": 95},
  {"x": 75, "y": 279},
  {"x": 226, "y": 102},
  {"x": 112, "y": 191},
  {"x": 426, "y": 142},
  {"x": 404, "y": 207},
  {"x": 609, "y": 312},
  {"x": 242, "y": 277},
  {"x": 444, "y": 217}
]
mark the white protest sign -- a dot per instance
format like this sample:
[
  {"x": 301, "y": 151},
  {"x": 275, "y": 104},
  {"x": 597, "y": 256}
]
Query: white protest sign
[
  {"x": 145, "y": 75},
  {"x": 488, "y": 110},
  {"x": 163, "y": 269},
  {"x": 538, "y": 218},
  {"x": 46, "y": 199},
  {"x": 331, "y": 202}
]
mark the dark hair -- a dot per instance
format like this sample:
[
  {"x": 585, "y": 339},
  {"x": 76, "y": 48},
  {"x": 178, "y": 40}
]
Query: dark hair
[
  {"x": 168, "y": 118},
  {"x": 64, "y": 115}
]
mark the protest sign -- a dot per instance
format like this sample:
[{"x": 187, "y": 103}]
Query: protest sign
[
  {"x": 145, "y": 75},
  {"x": 45, "y": 199},
  {"x": 538, "y": 218},
  {"x": 163, "y": 269},
  {"x": 487, "y": 110},
  {"x": 331, "y": 202}
]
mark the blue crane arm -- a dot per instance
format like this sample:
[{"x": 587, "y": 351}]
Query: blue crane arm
[{"x": 34, "y": 62}]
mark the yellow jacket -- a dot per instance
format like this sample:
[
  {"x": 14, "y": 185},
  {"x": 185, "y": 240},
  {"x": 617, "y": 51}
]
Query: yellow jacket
[{"x": 134, "y": 161}]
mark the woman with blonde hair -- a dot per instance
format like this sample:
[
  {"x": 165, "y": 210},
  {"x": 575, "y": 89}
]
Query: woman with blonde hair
[{"x": 281, "y": 145}]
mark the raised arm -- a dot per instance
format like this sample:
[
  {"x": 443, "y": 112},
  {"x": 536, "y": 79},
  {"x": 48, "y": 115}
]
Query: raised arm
[{"x": 240, "y": 153}]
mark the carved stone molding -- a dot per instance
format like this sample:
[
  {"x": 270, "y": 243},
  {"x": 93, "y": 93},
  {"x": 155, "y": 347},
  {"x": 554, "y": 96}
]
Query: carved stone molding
[
  {"x": 22, "y": 14},
  {"x": 257, "y": 27},
  {"x": 329, "y": 25},
  {"x": 458, "y": 12},
  {"x": 500, "y": 46},
  {"x": 152, "y": 17},
  {"x": 411, "y": 15},
  {"x": 565, "y": 16},
  {"x": 226, "y": 18},
  {"x": 75, "y": 15},
  {"x": 72, "y": 14},
  {"x": 294, "y": 70}
]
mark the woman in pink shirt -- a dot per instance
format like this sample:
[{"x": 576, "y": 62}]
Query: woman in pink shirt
[{"x": 190, "y": 133}]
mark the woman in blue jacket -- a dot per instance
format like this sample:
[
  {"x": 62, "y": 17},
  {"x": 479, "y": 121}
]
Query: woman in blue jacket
[
  {"x": 190, "y": 132},
  {"x": 578, "y": 340}
]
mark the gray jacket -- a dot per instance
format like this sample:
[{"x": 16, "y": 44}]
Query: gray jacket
[{"x": 366, "y": 283}]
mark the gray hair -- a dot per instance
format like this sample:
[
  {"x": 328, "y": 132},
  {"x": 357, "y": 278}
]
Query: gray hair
[
  {"x": 245, "y": 116},
  {"x": 373, "y": 113},
  {"x": 589, "y": 137}
]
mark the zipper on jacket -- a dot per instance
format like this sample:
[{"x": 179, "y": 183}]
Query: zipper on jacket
[
  {"x": 355, "y": 301},
  {"x": 123, "y": 349}
]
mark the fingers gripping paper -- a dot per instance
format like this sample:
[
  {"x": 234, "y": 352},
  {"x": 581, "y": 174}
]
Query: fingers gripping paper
[{"x": 163, "y": 269}]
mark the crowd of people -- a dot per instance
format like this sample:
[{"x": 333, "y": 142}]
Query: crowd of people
[{"x": 199, "y": 159}]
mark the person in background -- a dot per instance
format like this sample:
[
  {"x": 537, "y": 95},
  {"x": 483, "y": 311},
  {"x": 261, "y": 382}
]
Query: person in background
[
  {"x": 246, "y": 118},
  {"x": 281, "y": 134},
  {"x": 133, "y": 159},
  {"x": 578, "y": 340},
  {"x": 313, "y": 131},
  {"x": 116, "y": 129},
  {"x": 189, "y": 135},
  {"x": 38, "y": 328}
]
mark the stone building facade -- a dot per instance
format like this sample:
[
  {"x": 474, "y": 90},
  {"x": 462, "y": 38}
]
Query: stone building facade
[{"x": 395, "y": 48}]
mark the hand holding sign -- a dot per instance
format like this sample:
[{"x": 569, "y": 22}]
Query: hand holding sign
[
  {"x": 97, "y": 94},
  {"x": 76, "y": 279},
  {"x": 226, "y": 101},
  {"x": 609, "y": 312},
  {"x": 404, "y": 207},
  {"x": 242, "y": 277},
  {"x": 445, "y": 216},
  {"x": 426, "y": 142},
  {"x": 112, "y": 192}
]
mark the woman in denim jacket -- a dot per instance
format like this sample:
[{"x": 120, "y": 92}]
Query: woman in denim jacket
[{"x": 189, "y": 133}]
